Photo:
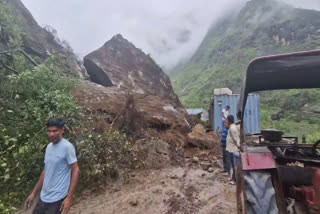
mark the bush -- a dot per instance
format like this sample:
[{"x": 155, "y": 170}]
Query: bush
[
  {"x": 27, "y": 101},
  {"x": 104, "y": 155},
  {"x": 312, "y": 138}
]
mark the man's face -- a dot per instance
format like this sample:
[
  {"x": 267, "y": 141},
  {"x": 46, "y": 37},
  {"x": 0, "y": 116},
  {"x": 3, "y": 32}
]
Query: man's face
[
  {"x": 55, "y": 134},
  {"x": 227, "y": 108}
]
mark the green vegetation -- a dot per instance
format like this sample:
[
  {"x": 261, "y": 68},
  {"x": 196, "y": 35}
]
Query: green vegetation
[
  {"x": 27, "y": 101},
  {"x": 29, "y": 96},
  {"x": 260, "y": 28}
]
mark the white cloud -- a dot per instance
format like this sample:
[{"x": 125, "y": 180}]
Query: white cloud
[{"x": 170, "y": 30}]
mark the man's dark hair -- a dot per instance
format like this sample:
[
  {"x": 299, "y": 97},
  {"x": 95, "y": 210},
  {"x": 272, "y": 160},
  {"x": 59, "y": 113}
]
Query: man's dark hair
[
  {"x": 230, "y": 119},
  {"x": 227, "y": 106},
  {"x": 57, "y": 122}
]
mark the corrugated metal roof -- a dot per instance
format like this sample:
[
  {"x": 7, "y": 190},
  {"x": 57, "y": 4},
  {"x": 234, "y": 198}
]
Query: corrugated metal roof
[
  {"x": 252, "y": 122},
  {"x": 195, "y": 110}
]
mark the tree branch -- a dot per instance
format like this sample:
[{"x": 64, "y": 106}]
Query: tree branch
[
  {"x": 29, "y": 58},
  {"x": 7, "y": 67},
  {"x": 8, "y": 51},
  {"x": 22, "y": 51}
]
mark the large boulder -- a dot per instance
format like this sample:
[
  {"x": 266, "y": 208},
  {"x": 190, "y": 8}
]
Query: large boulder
[
  {"x": 199, "y": 138},
  {"x": 120, "y": 64}
]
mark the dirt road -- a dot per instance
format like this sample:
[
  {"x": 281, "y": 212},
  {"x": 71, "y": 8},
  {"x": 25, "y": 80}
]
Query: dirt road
[{"x": 187, "y": 190}]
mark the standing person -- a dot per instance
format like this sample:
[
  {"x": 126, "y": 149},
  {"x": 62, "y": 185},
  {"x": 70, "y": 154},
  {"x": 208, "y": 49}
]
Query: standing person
[
  {"x": 225, "y": 113},
  {"x": 233, "y": 144},
  {"x": 225, "y": 153},
  {"x": 60, "y": 176}
]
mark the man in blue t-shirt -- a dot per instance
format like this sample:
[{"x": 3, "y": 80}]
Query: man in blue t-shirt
[
  {"x": 225, "y": 153},
  {"x": 60, "y": 175}
]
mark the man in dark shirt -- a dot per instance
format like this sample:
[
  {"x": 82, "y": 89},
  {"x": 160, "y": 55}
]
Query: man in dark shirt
[{"x": 225, "y": 155}]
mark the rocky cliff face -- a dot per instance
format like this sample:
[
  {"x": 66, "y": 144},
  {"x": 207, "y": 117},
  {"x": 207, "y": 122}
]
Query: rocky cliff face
[
  {"x": 39, "y": 42},
  {"x": 120, "y": 64}
]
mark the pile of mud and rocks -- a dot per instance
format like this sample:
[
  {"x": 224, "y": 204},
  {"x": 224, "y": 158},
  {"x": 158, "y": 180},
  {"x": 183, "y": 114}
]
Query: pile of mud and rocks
[
  {"x": 130, "y": 92},
  {"x": 187, "y": 189},
  {"x": 121, "y": 88}
]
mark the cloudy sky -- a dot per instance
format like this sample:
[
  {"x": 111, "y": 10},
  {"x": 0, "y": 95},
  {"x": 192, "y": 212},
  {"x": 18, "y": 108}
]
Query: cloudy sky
[{"x": 170, "y": 30}]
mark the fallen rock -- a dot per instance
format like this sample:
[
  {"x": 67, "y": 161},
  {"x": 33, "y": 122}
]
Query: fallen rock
[
  {"x": 120, "y": 64},
  {"x": 205, "y": 165},
  {"x": 116, "y": 189},
  {"x": 134, "y": 202},
  {"x": 198, "y": 137},
  {"x": 174, "y": 177},
  {"x": 210, "y": 170},
  {"x": 195, "y": 159}
]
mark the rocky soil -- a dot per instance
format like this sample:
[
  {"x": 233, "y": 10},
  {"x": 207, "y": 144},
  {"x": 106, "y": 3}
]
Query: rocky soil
[{"x": 193, "y": 188}]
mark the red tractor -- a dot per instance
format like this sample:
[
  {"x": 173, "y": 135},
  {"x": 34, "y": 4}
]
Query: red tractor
[{"x": 275, "y": 173}]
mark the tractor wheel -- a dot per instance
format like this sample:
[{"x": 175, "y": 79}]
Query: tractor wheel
[{"x": 259, "y": 192}]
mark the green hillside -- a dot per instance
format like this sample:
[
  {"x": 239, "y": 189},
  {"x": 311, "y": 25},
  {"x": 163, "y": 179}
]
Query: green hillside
[{"x": 260, "y": 28}]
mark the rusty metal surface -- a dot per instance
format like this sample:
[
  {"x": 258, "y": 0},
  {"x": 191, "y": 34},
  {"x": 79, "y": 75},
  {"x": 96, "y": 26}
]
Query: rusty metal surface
[{"x": 257, "y": 161}]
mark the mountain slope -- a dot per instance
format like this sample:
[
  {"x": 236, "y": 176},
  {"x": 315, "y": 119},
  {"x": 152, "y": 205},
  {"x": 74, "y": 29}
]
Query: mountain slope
[{"x": 260, "y": 28}]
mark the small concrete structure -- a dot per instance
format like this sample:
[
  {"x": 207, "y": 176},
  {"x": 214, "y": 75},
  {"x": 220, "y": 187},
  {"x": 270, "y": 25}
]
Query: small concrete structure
[
  {"x": 222, "y": 91},
  {"x": 204, "y": 115}
]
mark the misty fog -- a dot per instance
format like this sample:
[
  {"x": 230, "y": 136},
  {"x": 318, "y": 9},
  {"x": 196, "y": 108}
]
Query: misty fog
[{"x": 170, "y": 30}]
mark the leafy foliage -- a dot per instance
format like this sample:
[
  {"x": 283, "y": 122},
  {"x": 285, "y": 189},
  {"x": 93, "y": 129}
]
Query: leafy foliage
[
  {"x": 28, "y": 100},
  {"x": 11, "y": 33},
  {"x": 103, "y": 155}
]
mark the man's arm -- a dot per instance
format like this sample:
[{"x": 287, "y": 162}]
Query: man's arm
[
  {"x": 35, "y": 190},
  {"x": 74, "y": 181},
  {"x": 234, "y": 136},
  {"x": 223, "y": 111}
]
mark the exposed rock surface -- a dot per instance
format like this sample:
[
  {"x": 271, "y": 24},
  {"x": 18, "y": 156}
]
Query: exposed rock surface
[
  {"x": 198, "y": 137},
  {"x": 119, "y": 63},
  {"x": 38, "y": 41}
]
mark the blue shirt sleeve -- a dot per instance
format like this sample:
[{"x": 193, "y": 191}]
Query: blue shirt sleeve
[{"x": 71, "y": 155}]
